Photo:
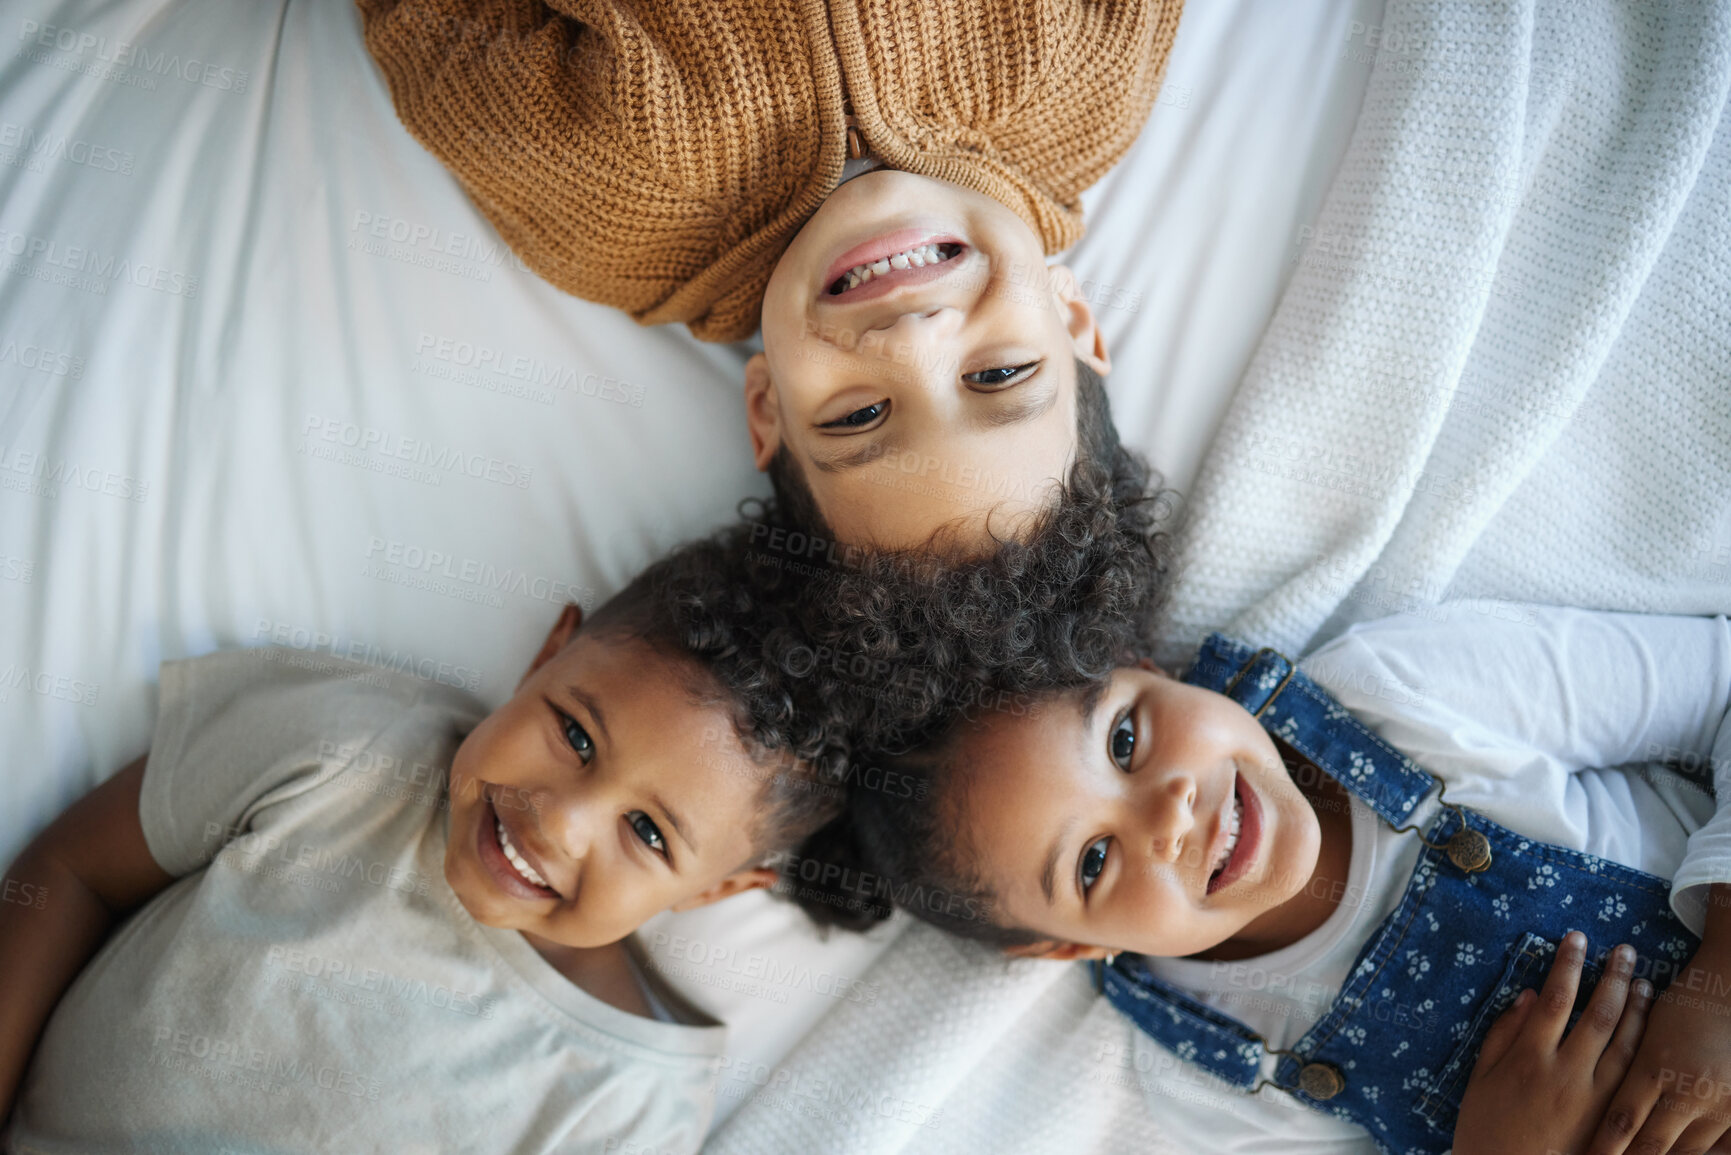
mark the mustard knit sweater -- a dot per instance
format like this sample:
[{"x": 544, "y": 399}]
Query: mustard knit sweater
[{"x": 659, "y": 155}]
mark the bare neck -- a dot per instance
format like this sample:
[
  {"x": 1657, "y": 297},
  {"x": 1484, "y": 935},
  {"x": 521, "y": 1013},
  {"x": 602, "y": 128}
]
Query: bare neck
[{"x": 603, "y": 971}]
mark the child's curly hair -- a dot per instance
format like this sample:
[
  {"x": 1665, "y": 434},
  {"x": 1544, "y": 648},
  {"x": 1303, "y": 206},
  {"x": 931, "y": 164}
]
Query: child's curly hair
[
  {"x": 713, "y": 602},
  {"x": 905, "y": 646}
]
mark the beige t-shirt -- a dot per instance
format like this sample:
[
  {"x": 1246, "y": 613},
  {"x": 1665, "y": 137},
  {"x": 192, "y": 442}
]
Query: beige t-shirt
[{"x": 310, "y": 982}]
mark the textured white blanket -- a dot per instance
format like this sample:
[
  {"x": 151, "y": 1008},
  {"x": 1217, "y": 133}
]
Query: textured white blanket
[{"x": 1502, "y": 369}]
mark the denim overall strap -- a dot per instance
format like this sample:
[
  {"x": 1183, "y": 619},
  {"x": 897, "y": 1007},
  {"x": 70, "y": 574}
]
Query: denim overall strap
[
  {"x": 1193, "y": 1031},
  {"x": 1306, "y": 717}
]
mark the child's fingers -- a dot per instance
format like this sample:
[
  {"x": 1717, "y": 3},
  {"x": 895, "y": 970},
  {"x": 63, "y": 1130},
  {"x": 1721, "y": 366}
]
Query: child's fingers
[
  {"x": 1619, "y": 1056},
  {"x": 1661, "y": 1131},
  {"x": 1628, "y": 1110},
  {"x": 1557, "y": 998},
  {"x": 1706, "y": 1133},
  {"x": 1503, "y": 1032},
  {"x": 1604, "y": 1010}
]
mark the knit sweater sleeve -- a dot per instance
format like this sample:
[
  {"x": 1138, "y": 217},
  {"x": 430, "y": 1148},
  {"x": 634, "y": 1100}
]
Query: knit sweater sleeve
[
  {"x": 631, "y": 152},
  {"x": 1029, "y": 104}
]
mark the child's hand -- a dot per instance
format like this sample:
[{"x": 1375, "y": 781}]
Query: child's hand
[
  {"x": 1677, "y": 1095},
  {"x": 1533, "y": 1090}
]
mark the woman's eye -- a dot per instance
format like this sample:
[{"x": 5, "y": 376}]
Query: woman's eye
[
  {"x": 858, "y": 417},
  {"x": 1000, "y": 376},
  {"x": 1123, "y": 741},
  {"x": 1093, "y": 863},
  {"x": 578, "y": 737},
  {"x": 647, "y": 831}
]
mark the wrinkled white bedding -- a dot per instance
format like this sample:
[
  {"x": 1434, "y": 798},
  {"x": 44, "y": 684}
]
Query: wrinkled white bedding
[{"x": 266, "y": 376}]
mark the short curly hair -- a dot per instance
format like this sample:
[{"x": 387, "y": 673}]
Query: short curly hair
[
  {"x": 711, "y": 603},
  {"x": 908, "y": 847},
  {"x": 1059, "y": 606},
  {"x": 909, "y": 644}
]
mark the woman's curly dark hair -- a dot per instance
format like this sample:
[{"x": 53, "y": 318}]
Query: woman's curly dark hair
[{"x": 907, "y": 645}]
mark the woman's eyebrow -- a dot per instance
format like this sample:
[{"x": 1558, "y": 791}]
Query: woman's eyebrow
[{"x": 1049, "y": 875}]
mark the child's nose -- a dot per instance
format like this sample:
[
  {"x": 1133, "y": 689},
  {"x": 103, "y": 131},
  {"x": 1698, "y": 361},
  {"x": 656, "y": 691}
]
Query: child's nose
[
  {"x": 569, "y": 825},
  {"x": 918, "y": 340},
  {"x": 1171, "y": 818}
]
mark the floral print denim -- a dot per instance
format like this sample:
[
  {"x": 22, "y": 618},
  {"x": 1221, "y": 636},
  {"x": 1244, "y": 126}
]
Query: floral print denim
[{"x": 1393, "y": 1051}]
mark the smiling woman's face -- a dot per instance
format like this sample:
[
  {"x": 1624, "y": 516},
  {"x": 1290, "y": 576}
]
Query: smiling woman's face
[{"x": 919, "y": 364}]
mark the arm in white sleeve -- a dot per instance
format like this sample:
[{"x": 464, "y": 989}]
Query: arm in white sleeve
[
  {"x": 1508, "y": 703},
  {"x": 1708, "y": 859},
  {"x": 1588, "y": 689}
]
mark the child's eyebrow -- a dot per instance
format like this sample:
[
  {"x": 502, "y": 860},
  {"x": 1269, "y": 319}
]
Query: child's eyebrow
[
  {"x": 1028, "y": 406},
  {"x": 886, "y": 446},
  {"x": 1089, "y": 700},
  {"x": 592, "y": 708},
  {"x": 1049, "y": 875},
  {"x": 673, "y": 821}
]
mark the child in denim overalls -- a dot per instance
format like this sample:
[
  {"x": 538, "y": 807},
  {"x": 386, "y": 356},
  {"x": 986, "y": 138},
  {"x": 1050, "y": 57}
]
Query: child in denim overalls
[{"x": 1279, "y": 894}]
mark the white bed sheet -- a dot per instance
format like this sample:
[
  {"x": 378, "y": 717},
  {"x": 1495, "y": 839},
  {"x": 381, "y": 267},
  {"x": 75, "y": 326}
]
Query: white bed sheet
[{"x": 266, "y": 376}]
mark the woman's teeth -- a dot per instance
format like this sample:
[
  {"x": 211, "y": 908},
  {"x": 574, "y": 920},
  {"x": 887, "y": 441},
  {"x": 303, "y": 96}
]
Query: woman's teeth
[
  {"x": 517, "y": 861},
  {"x": 1232, "y": 821},
  {"x": 917, "y": 257}
]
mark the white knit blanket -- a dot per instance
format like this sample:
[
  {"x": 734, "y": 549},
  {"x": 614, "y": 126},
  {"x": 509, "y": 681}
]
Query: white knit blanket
[{"x": 1501, "y": 369}]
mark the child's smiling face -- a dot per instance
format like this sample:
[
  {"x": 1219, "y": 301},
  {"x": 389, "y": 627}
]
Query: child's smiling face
[
  {"x": 1162, "y": 821},
  {"x": 954, "y": 369},
  {"x": 620, "y": 795}
]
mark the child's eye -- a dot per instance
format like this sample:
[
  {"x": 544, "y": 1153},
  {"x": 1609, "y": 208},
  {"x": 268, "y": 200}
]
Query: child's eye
[
  {"x": 1123, "y": 741},
  {"x": 1093, "y": 863},
  {"x": 1000, "y": 376},
  {"x": 647, "y": 831},
  {"x": 579, "y": 738},
  {"x": 858, "y": 417}
]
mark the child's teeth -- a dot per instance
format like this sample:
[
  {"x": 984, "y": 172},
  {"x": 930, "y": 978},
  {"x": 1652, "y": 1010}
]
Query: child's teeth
[
  {"x": 517, "y": 860},
  {"x": 917, "y": 257},
  {"x": 1232, "y": 822}
]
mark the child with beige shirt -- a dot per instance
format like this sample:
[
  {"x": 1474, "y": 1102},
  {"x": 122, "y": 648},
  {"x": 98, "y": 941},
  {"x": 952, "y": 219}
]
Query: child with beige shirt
[{"x": 355, "y": 911}]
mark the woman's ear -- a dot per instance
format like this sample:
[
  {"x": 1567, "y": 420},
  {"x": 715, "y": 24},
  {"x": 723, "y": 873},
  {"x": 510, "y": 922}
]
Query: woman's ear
[
  {"x": 1086, "y": 340},
  {"x": 762, "y": 411},
  {"x": 740, "y": 881},
  {"x": 1059, "y": 951},
  {"x": 570, "y": 619}
]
